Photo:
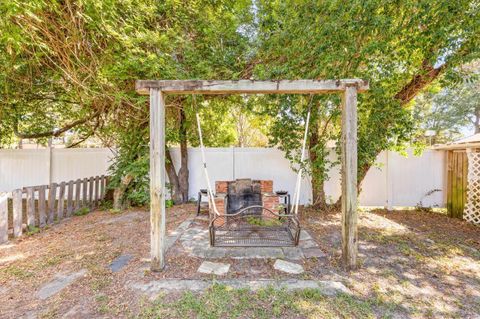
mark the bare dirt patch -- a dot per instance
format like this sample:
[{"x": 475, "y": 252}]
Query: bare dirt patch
[{"x": 413, "y": 264}]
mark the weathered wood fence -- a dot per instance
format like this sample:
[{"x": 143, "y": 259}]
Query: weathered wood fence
[{"x": 37, "y": 206}]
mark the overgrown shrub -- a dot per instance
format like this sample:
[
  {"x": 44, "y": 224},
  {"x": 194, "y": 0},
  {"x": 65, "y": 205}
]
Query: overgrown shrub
[{"x": 132, "y": 158}]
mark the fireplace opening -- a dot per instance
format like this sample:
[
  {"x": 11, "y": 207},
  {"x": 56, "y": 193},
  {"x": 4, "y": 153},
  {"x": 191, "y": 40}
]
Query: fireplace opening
[{"x": 244, "y": 193}]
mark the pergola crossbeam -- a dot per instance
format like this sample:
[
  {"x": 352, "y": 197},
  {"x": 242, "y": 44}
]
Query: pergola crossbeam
[{"x": 249, "y": 86}]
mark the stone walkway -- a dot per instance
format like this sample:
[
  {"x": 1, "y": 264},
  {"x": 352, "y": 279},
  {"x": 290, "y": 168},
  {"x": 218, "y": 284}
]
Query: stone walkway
[
  {"x": 155, "y": 288},
  {"x": 60, "y": 282},
  {"x": 195, "y": 241}
]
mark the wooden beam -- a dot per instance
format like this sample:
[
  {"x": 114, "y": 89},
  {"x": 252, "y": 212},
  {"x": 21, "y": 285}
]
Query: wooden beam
[
  {"x": 157, "y": 180},
  {"x": 349, "y": 178},
  {"x": 248, "y": 86}
]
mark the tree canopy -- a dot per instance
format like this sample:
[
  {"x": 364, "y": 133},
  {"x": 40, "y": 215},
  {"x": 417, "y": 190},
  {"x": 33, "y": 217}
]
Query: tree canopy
[{"x": 70, "y": 66}]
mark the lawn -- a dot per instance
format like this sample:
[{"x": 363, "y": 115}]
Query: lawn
[{"x": 414, "y": 264}]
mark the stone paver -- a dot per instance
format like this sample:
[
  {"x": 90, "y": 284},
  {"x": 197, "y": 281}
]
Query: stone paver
[
  {"x": 307, "y": 244},
  {"x": 313, "y": 253},
  {"x": 120, "y": 262},
  {"x": 208, "y": 267},
  {"x": 263, "y": 252},
  {"x": 195, "y": 241},
  {"x": 288, "y": 267},
  {"x": 304, "y": 235},
  {"x": 154, "y": 288},
  {"x": 60, "y": 282},
  {"x": 294, "y": 253}
]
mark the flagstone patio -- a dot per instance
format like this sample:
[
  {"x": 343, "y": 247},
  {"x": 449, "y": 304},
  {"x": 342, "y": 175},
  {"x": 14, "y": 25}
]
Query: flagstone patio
[{"x": 194, "y": 240}]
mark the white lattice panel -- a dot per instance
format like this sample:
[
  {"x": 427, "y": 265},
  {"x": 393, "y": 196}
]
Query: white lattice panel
[{"x": 472, "y": 208}]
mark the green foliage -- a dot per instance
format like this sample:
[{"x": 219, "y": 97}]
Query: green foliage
[
  {"x": 252, "y": 220},
  {"x": 388, "y": 43},
  {"x": 72, "y": 65},
  {"x": 32, "y": 230},
  {"x": 168, "y": 203},
  {"x": 448, "y": 111},
  {"x": 82, "y": 211},
  {"x": 106, "y": 205}
]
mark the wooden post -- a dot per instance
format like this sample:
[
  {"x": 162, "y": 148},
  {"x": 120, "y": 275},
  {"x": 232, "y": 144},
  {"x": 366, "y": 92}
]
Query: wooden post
[
  {"x": 157, "y": 180},
  {"x": 17, "y": 212},
  {"x": 97, "y": 190},
  {"x": 42, "y": 206},
  {"x": 102, "y": 187},
  {"x": 61, "y": 200},
  {"x": 91, "y": 180},
  {"x": 349, "y": 177},
  {"x": 52, "y": 197},
  {"x": 30, "y": 208},
  {"x": 85, "y": 189},
  {"x": 78, "y": 185},
  {"x": 3, "y": 218},
  {"x": 70, "y": 199}
]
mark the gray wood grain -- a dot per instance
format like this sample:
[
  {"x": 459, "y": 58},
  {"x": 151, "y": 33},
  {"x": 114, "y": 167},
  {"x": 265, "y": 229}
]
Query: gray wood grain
[
  {"x": 349, "y": 178},
  {"x": 17, "y": 212}
]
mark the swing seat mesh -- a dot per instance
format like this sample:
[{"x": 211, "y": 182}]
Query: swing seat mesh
[{"x": 254, "y": 226}]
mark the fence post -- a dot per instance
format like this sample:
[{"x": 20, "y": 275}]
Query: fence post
[
  {"x": 85, "y": 189},
  {"x": 17, "y": 213},
  {"x": 388, "y": 183},
  {"x": 90, "y": 191},
  {"x": 51, "y": 202},
  {"x": 3, "y": 218},
  {"x": 49, "y": 163},
  {"x": 42, "y": 206},
  {"x": 102, "y": 187},
  {"x": 97, "y": 191},
  {"x": 61, "y": 200},
  {"x": 78, "y": 185},
  {"x": 30, "y": 207},
  {"x": 70, "y": 199}
]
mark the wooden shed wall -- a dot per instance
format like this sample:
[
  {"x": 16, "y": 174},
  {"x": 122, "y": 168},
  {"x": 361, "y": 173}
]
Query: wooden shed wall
[{"x": 457, "y": 168}]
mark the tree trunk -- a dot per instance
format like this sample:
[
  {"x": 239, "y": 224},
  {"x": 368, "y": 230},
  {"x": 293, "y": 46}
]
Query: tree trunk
[
  {"x": 118, "y": 200},
  {"x": 318, "y": 191},
  {"x": 183, "y": 172},
  {"x": 179, "y": 181},
  {"x": 173, "y": 178}
]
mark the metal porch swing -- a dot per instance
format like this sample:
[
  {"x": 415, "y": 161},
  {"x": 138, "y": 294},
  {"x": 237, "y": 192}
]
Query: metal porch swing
[{"x": 253, "y": 225}]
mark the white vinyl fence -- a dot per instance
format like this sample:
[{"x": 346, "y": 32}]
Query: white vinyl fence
[
  {"x": 395, "y": 180},
  {"x": 22, "y": 168}
]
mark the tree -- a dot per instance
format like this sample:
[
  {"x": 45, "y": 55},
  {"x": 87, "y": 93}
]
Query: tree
[
  {"x": 401, "y": 47},
  {"x": 71, "y": 66},
  {"x": 449, "y": 111}
]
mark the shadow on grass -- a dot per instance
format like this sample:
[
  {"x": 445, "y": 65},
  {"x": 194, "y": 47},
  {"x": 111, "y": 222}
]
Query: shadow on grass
[
  {"x": 426, "y": 263},
  {"x": 224, "y": 302}
]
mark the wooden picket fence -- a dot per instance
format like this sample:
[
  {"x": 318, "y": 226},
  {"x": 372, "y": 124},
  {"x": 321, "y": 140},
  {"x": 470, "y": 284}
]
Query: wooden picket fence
[{"x": 37, "y": 206}]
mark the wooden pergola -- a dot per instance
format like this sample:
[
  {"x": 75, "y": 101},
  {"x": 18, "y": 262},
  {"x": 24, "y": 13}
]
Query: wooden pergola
[{"x": 157, "y": 91}]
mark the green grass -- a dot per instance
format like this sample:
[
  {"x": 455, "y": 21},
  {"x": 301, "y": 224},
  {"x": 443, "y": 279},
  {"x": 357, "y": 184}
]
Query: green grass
[
  {"x": 224, "y": 302},
  {"x": 16, "y": 272},
  {"x": 82, "y": 211},
  {"x": 32, "y": 230},
  {"x": 261, "y": 222}
]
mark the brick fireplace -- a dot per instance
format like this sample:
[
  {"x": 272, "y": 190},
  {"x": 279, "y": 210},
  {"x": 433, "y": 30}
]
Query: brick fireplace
[{"x": 231, "y": 196}]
